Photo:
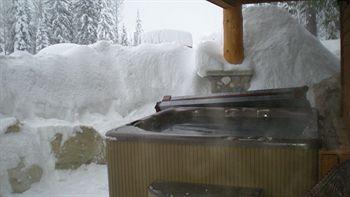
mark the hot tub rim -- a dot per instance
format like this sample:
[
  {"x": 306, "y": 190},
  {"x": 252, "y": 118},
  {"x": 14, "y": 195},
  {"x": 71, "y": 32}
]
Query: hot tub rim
[{"x": 139, "y": 135}]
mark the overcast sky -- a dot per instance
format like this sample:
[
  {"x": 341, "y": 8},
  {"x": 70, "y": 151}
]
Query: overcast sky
[{"x": 196, "y": 16}]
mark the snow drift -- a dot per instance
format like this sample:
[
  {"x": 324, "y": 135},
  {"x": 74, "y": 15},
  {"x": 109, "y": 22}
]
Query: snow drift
[
  {"x": 280, "y": 50},
  {"x": 333, "y": 46},
  {"x": 67, "y": 81}
]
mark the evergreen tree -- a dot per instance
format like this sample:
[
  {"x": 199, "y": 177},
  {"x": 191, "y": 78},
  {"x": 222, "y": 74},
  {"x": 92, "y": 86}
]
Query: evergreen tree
[
  {"x": 43, "y": 36},
  {"x": 139, "y": 30},
  {"x": 329, "y": 19},
  {"x": 60, "y": 20},
  {"x": 8, "y": 16},
  {"x": 124, "y": 37},
  {"x": 22, "y": 36},
  {"x": 2, "y": 27},
  {"x": 87, "y": 18},
  {"x": 117, "y": 10},
  {"x": 318, "y": 16},
  {"x": 2, "y": 43},
  {"x": 107, "y": 21}
]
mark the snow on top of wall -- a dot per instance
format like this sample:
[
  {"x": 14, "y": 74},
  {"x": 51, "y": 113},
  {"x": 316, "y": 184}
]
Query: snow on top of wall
[
  {"x": 58, "y": 49},
  {"x": 167, "y": 36},
  {"x": 67, "y": 81},
  {"x": 280, "y": 50}
]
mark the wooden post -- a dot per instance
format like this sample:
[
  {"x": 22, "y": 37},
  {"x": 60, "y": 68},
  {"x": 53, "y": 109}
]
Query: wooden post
[
  {"x": 345, "y": 62},
  {"x": 233, "y": 34}
]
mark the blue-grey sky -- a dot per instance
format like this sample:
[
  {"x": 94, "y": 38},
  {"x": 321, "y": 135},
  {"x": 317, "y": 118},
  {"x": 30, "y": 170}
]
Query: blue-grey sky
[{"x": 196, "y": 16}]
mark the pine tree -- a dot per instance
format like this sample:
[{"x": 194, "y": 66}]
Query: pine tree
[
  {"x": 117, "y": 10},
  {"x": 2, "y": 43},
  {"x": 107, "y": 21},
  {"x": 60, "y": 20},
  {"x": 318, "y": 16},
  {"x": 2, "y": 27},
  {"x": 138, "y": 31},
  {"x": 87, "y": 18},
  {"x": 124, "y": 37},
  {"x": 22, "y": 36},
  {"x": 329, "y": 19},
  {"x": 43, "y": 36},
  {"x": 9, "y": 31}
]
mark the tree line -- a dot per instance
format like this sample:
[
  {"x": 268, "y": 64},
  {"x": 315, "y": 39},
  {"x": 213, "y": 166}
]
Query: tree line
[
  {"x": 320, "y": 17},
  {"x": 31, "y": 25}
]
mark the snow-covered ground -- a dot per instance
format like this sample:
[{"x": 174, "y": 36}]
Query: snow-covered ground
[
  {"x": 105, "y": 86},
  {"x": 87, "y": 181}
]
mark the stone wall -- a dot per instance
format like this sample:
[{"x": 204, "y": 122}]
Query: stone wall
[{"x": 233, "y": 81}]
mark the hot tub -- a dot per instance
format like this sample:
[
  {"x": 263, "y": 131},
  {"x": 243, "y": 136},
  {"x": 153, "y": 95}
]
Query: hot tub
[{"x": 275, "y": 149}]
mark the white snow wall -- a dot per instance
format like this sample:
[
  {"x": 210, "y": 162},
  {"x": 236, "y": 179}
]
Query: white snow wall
[
  {"x": 167, "y": 36},
  {"x": 65, "y": 81},
  {"x": 281, "y": 52}
]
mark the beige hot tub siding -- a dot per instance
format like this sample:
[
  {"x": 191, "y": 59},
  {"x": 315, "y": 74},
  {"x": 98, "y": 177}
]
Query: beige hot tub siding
[{"x": 280, "y": 171}]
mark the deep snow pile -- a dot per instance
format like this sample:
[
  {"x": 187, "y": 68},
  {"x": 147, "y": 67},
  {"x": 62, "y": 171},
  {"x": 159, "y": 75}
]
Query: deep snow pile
[
  {"x": 281, "y": 51},
  {"x": 167, "y": 36},
  {"x": 68, "y": 85},
  {"x": 333, "y": 46},
  {"x": 68, "y": 81}
]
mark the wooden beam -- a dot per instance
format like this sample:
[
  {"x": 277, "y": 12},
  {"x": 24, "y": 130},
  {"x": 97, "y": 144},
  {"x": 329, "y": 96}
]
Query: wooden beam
[
  {"x": 233, "y": 34},
  {"x": 345, "y": 62},
  {"x": 224, "y": 3}
]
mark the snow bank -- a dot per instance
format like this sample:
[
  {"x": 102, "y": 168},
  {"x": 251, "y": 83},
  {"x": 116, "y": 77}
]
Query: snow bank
[
  {"x": 15, "y": 147},
  {"x": 89, "y": 180},
  {"x": 333, "y": 46},
  {"x": 281, "y": 51},
  {"x": 167, "y": 36},
  {"x": 33, "y": 144},
  {"x": 67, "y": 81},
  {"x": 67, "y": 85}
]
